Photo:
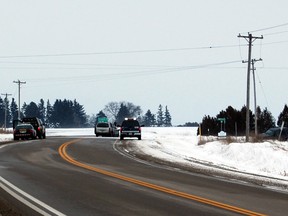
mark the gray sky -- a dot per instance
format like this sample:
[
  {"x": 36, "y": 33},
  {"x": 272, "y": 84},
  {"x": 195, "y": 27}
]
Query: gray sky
[{"x": 145, "y": 52}]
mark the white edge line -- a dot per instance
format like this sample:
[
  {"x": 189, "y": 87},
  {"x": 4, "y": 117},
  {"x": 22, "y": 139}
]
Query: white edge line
[{"x": 26, "y": 202}]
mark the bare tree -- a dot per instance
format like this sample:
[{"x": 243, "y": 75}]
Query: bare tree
[{"x": 111, "y": 110}]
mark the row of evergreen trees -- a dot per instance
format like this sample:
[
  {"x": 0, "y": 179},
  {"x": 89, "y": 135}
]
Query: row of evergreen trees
[
  {"x": 160, "y": 119},
  {"x": 71, "y": 114},
  {"x": 235, "y": 121},
  {"x": 64, "y": 113}
]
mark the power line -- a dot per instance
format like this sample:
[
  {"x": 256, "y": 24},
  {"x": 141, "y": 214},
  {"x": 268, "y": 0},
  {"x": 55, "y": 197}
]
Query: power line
[
  {"x": 276, "y": 33},
  {"x": 152, "y": 68},
  {"x": 130, "y": 51},
  {"x": 262, "y": 88},
  {"x": 122, "y": 52},
  {"x": 115, "y": 75},
  {"x": 268, "y": 28},
  {"x": 275, "y": 42}
]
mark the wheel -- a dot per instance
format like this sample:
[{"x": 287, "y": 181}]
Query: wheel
[
  {"x": 121, "y": 137},
  {"x": 139, "y": 137}
]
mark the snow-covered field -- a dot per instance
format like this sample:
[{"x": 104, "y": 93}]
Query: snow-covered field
[{"x": 180, "y": 145}]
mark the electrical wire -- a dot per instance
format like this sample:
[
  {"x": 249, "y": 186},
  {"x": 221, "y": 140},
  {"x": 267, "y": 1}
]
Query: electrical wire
[
  {"x": 276, "y": 33},
  {"x": 121, "y": 75},
  {"x": 262, "y": 88},
  {"x": 119, "y": 52},
  {"x": 268, "y": 28}
]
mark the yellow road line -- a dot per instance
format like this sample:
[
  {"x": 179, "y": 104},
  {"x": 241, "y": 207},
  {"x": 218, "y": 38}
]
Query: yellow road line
[{"x": 63, "y": 153}]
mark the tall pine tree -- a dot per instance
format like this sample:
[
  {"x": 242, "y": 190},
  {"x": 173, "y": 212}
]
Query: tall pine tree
[
  {"x": 42, "y": 110},
  {"x": 283, "y": 117},
  {"x": 160, "y": 116},
  {"x": 80, "y": 118},
  {"x": 122, "y": 113},
  {"x": 149, "y": 119},
  {"x": 49, "y": 111},
  {"x": 265, "y": 120},
  {"x": 167, "y": 118},
  {"x": 2, "y": 111},
  {"x": 32, "y": 110},
  {"x": 14, "y": 110}
]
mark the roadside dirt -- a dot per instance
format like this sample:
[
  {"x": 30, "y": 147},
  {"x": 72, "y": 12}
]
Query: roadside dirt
[{"x": 7, "y": 210}]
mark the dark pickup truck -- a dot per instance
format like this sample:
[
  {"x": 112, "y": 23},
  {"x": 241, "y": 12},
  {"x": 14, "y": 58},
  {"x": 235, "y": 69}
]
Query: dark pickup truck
[{"x": 36, "y": 123}]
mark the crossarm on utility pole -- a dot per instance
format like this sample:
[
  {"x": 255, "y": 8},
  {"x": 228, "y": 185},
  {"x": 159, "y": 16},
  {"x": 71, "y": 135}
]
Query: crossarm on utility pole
[{"x": 19, "y": 85}]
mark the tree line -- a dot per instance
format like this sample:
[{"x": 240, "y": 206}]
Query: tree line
[
  {"x": 118, "y": 111},
  {"x": 233, "y": 121},
  {"x": 63, "y": 113},
  {"x": 70, "y": 114}
]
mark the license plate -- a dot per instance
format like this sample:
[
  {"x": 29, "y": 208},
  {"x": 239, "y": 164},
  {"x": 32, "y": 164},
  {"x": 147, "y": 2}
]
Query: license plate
[{"x": 23, "y": 131}]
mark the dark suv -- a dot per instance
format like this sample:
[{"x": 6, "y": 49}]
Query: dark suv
[
  {"x": 38, "y": 126},
  {"x": 130, "y": 128},
  {"x": 274, "y": 133}
]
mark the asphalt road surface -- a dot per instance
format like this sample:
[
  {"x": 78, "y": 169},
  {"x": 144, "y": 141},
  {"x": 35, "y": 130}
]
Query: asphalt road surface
[{"x": 86, "y": 176}]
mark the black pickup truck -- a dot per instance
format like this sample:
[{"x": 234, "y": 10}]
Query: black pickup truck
[{"x": 36, "y": 123}]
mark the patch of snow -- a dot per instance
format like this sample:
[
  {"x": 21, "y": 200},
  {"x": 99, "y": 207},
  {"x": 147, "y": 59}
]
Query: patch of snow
[{"x": 267, "y": 158}]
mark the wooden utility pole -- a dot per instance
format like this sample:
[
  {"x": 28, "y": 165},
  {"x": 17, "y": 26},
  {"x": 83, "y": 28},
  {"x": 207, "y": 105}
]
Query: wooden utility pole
[
  {"x": 255, "y": 101},
  {"x": 19, "y": 86},
  {"x": 250, "y": 40},
  {"x": 6, "y": 107}
]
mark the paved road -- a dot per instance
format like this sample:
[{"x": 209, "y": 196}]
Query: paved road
[{"x": 88, "y": 177}]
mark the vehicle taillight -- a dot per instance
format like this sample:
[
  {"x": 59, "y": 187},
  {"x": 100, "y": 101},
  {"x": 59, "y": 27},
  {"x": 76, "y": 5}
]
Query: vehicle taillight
[
  {"x": 138, "y": 128},
  {"x": 39, "y": 128},
  {"x": 121, "y": 129}
]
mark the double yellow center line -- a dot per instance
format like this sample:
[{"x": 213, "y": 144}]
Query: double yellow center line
[{"x": 63, "y": 153}]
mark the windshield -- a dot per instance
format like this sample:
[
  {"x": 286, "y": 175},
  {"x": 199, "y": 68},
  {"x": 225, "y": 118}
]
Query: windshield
[
  {"x": 102, "y": 124},
  {"x": 24, "y": 127},
  {"x": 272, "y": 131},
  {"x": 130, "y": 124}
]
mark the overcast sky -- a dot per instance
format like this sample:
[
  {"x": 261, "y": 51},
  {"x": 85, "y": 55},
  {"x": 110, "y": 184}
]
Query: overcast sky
[{"x": 184, "y": 54}]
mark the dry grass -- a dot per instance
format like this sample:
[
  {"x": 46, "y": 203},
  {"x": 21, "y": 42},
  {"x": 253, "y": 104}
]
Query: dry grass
[
  {"x": 206, "y": 139},
  {"x": 7, "y": 131},
  {"x": 224, "y": 140}
]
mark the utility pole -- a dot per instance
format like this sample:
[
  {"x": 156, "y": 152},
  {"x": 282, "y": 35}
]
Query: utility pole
[
  {"x": 250, "y": 39},
  {"x": 255, "y": 101},
  {"x": 19, "y": 86},
  {"x": 6, "y": 107}
]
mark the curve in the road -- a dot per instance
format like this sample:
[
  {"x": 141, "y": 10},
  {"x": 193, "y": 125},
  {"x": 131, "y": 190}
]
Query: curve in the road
[{"x": 63, "y": 153}]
